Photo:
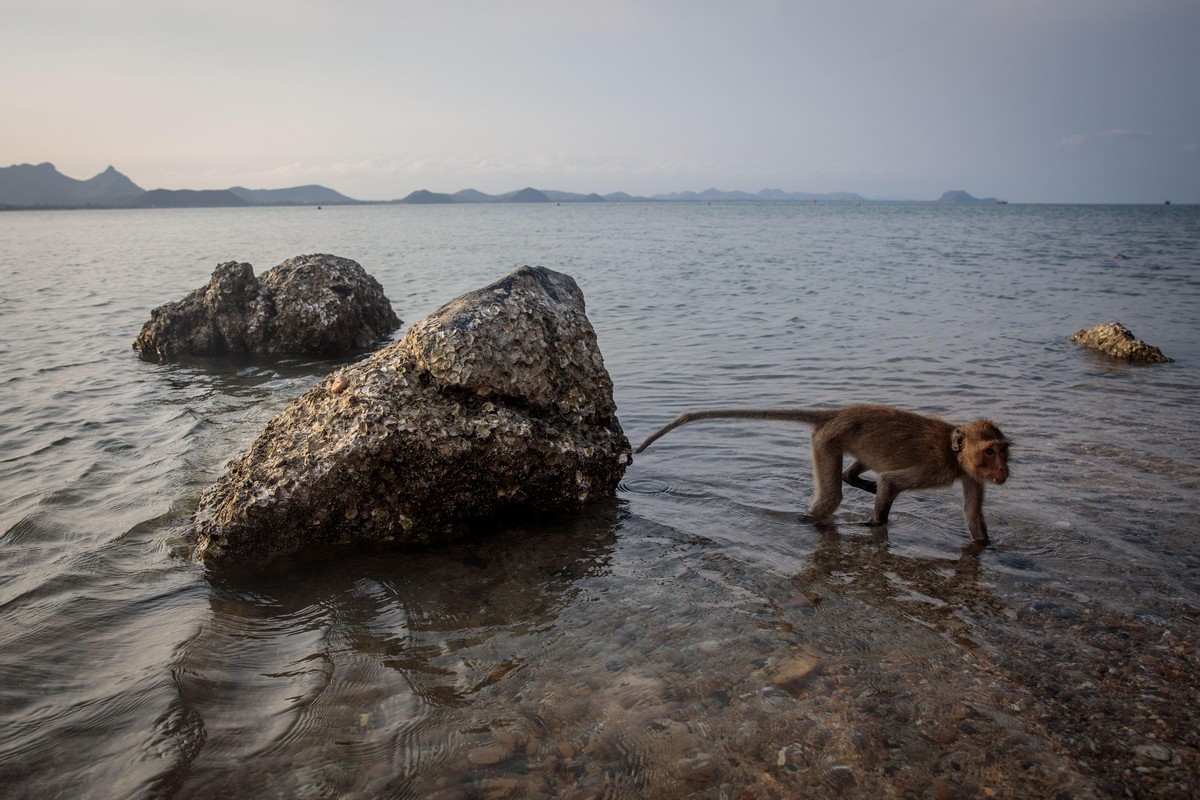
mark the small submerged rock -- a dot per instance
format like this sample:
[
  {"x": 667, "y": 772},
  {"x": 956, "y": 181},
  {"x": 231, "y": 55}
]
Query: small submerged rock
[
  {"x": 313, "y": 305},
  {"x": 498, "y": 402},
  {"x": 488, "y": 755},
  {"x": 792, "y": 672},
  {"x": 1114, "y": 339}
]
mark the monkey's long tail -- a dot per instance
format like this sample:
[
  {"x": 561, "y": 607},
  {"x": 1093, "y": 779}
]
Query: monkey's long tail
[{"x": 803, "y": 415}]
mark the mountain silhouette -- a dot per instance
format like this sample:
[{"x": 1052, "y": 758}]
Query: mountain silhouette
[
  {"x": 960, "y": 197},
  {"x": 187, "y": 198},
  {"x": 43, "y": 185},
  {"x": 309, "y": 195},
  {"x": 529, "y": 195}
]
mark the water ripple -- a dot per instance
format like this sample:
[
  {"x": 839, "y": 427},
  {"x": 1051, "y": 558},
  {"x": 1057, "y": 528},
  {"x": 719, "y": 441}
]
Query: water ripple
[{"x": 699, "y": 634}]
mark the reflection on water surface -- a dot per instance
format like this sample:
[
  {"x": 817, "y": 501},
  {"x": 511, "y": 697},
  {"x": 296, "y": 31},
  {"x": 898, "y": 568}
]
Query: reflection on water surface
[
  {"x": 609, "y": 656},
  {"x": 694, "y": 637}
]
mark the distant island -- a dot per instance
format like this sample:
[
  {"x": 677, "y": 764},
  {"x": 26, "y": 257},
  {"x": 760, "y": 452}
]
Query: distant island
[
  {"x": 959, "y": 196},
  {"x": 42, "y": 186}
]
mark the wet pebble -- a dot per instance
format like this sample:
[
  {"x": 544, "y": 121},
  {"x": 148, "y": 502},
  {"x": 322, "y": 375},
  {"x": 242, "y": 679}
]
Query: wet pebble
[
  {"x": 488, "y": 755},
  {"x": 698, "y": 770},
  {"x": 791, "y": 672},
  {"x": 507, "y": 740},
  {"x": 799, "y": 601},
  {"x": 1153, "y": 752},
  {"x": 496, "y": 788},
  {"x": 841, "y": 778},
  {"x": 945, "y": 735}
]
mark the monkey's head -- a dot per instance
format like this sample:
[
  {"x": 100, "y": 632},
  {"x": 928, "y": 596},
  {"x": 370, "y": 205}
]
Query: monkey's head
[{"x": 982, "y": 450}]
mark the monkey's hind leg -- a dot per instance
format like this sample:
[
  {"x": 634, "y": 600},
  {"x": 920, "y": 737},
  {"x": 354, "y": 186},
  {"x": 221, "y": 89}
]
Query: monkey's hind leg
[
  {"x": 892, "y": 484},
  {"x": 827, "y": 475},
  {"x": 851, "y": 476}
]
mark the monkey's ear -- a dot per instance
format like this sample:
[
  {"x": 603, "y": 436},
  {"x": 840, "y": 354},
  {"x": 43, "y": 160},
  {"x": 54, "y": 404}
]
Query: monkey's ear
[{"x": 957, "y": 438}]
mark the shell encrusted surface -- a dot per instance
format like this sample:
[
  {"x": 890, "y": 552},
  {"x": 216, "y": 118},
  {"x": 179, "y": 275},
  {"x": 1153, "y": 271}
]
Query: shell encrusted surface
[
  {"x": 317, "y": 305},
  {"x": 498, "y": 402},
  {"x": 1115, "y": 340}
]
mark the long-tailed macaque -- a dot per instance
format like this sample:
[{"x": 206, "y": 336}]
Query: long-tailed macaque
[{"x": 904, "y": 449}]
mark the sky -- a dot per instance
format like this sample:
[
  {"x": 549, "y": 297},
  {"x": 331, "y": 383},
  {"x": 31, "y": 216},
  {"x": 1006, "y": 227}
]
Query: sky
[{"x": 1054, "y": 101}]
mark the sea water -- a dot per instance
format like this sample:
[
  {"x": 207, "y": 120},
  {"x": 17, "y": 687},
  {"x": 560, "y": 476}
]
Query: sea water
[{"x": 693, "y": 636}]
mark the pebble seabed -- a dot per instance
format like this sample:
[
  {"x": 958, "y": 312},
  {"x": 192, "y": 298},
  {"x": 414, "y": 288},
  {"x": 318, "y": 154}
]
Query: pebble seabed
[{"x": 642, "y": 665}]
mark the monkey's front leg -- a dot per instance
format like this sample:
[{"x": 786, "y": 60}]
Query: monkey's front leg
[
  {"x": 884, "y": 497},
  {"x": 973, "y": 509},
  {"x": 851, "y": 476}
]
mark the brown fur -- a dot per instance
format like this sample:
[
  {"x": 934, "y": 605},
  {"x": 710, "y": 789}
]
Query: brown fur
[{"x": 906, "y": 451}]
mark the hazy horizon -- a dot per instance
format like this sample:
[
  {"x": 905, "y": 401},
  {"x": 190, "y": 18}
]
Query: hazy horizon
[
  {"x": 1078, "y": 101},
  {"x": 656, "y": 196},
  {"x": 469, "y": 189}
]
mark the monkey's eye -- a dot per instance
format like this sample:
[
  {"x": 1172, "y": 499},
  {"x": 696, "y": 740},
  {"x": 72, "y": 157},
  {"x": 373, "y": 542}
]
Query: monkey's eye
[{"x": 991, "y": 451}]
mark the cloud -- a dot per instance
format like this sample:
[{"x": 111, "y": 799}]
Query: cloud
[
  {"x": 1123, "y": 133},
  {"x": 546, "y": 163},
  {"x": 1192, "y": 147},
  {"x": 1110, "y": 135},
  {"x": 406, "y": 166},
  {"x": 569, "y": 164}
]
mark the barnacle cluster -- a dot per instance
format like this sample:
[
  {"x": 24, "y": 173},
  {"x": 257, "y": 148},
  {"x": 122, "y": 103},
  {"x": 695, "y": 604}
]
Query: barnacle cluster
[
  {"x": 312, "y": 305},
  {"x": 1114, "y": 339}
]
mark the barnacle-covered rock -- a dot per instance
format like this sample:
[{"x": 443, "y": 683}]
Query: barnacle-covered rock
[
  {"x": 499, "y": 402},
  {"x": 1114, "y": 339},
  {"x": 315, "y": 305}
]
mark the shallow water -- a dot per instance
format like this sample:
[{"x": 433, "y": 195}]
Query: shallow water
[{"x": 693, "y": 636}]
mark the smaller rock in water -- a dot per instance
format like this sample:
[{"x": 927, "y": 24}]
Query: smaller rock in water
[
  {"x": 313, "y": 305},
  {"x": 1114, "y": 339}
]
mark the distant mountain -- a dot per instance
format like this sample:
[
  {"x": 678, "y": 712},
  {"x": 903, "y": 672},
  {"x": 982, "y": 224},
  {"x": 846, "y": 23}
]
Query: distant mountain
[
  {"x": 807, "y": 197},
  {"x": 572, "y": 197},
  {"x": 766, "y": 195},
  {"x": 708, "y": 195},
  {"x": 529, "y": 195},
  {"x": 42, "y": 185},
  {"x": 109, "y": 186},
  {"x": 310, "y": 195},
  {"x": 474, "y": 196},
  {"x": 187, "y": 198},
  {"x": 959, "y": 196},
  {"x": 426, "y": 197}
]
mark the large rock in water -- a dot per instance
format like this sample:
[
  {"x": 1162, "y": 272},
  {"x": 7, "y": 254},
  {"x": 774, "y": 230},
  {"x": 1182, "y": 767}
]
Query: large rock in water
[
  {"x": 498, "y": 402},
  {"x": 1114, "y": 339},
  {"x": 315, "y": 305}
]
